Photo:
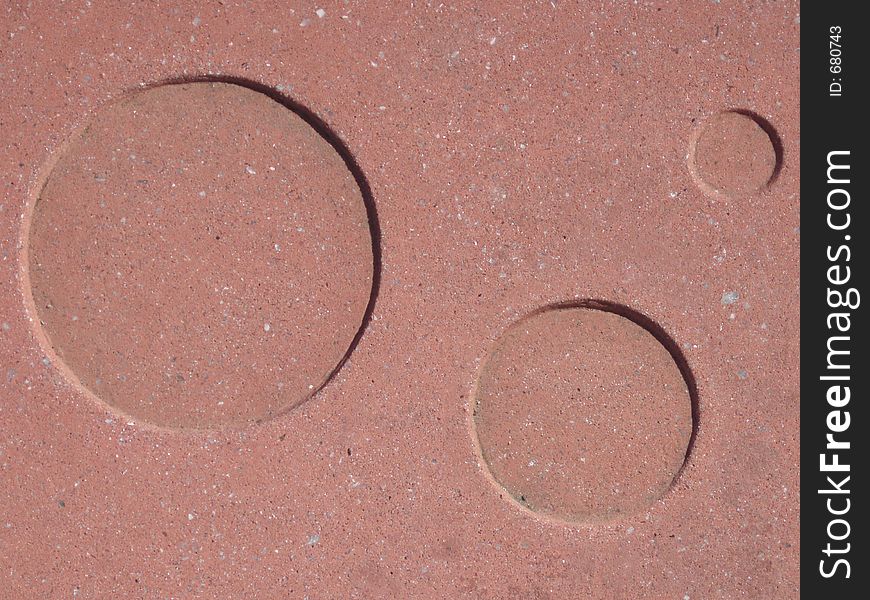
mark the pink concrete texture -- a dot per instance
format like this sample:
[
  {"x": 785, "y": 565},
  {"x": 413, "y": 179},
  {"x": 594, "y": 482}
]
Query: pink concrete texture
[{"x": 400, "y": 300}]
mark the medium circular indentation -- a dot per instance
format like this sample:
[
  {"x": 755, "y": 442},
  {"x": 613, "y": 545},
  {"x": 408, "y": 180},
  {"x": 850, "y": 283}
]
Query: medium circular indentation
[
  {"x": 735, "y": 152},
  {"x": 582, "y": 414},
  {"x": 200, "y": 256}
]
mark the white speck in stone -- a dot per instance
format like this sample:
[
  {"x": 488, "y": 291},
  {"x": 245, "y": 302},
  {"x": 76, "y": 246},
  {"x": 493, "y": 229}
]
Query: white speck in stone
[
  {"x": 266, "y": 327},
  {"x": 304, "y": 22},
  {"x": 492, "y": 40},
  {"x": 46, "y": 361},
  {"x": 310, "y": 386},
  {"x": 277, "y": 247},
  {"x": 730, "y": 297},
  {"x": 630, "y": 530},
  {"x": 6, "y": 326},
  {"x": 202, "y": 194},
  {"x": 250, "y": 170},
  {"x": 190, "y": 516},
  {"x": 320, "y": 13},
  {"x": 196, "y": 21},
  {"x": 313, "y": 539},
  {"x": 742, "y": 374},
  {"x": 533, "y": 462}
]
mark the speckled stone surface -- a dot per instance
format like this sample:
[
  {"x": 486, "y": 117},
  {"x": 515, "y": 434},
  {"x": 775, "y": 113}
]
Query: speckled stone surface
[
  {"x": 582, "y": 414},
  {"x": 518, "y": 156},
  {"x": 733, "y": 154},
  {"x": 221, "y": 253}
]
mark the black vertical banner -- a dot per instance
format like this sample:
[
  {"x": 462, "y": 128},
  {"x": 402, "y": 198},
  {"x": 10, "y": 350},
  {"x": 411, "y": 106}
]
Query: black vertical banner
[{"x": 834, "y": 363}]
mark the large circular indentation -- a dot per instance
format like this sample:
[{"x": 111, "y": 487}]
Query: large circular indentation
[
  {"x": 582, "y": 414},
  {"x": 200, "y": 255},
  {"x": 735, "y": 152}
]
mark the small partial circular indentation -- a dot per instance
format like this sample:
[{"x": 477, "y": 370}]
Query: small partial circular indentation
[
  {"x": 735, "y": 152},
  {"x": 199, "y": 255},
  {"x": 582, "y": 414}
]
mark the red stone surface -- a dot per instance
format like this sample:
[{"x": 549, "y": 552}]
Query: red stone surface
[
  {"x": 582, "y": 414},
  {"x": 733, "y": 154},
  {"x": 519, "y": 156},
  {"x": 200, "y": 256}
]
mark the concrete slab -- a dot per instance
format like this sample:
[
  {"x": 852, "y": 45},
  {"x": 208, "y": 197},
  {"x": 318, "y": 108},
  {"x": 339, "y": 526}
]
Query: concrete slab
[{"x": 465, "y": 166}]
